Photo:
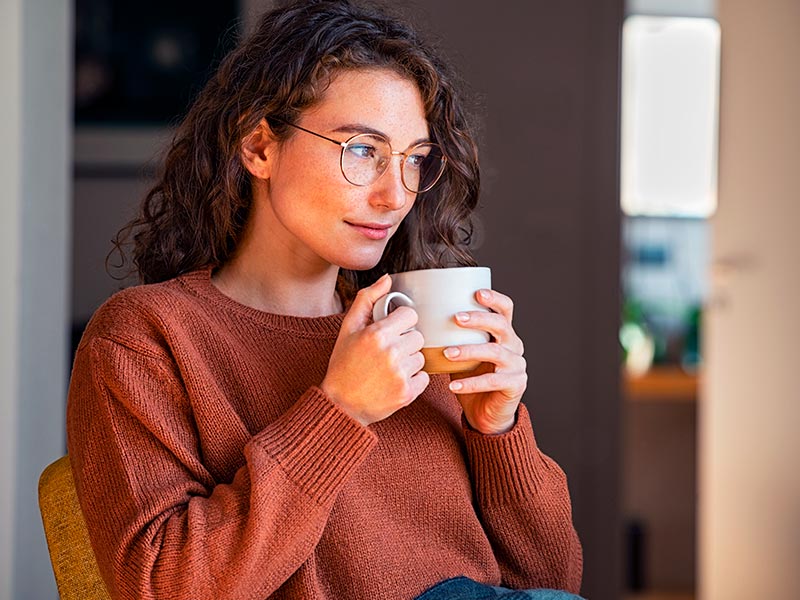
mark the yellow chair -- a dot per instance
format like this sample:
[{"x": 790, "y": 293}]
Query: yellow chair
[{"x": 74, "y": 563}]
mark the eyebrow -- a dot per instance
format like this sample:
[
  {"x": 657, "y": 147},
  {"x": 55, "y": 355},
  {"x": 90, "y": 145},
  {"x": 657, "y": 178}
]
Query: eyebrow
[{"x": 359, "y": 128}]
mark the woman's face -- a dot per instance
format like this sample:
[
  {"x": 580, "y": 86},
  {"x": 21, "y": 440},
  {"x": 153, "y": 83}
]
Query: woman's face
[{"x": 316, "y": 214}]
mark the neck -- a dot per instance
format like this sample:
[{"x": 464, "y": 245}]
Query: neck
[{"x": 268, "y": 289}]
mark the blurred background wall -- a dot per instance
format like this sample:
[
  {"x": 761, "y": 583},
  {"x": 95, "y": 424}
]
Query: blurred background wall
[
  {"x": 35, "y": 238},
  {"x": 749, "y": 442}
]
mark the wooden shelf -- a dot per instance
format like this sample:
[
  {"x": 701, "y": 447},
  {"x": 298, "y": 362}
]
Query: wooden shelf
[{"x": 661, "y": 384}]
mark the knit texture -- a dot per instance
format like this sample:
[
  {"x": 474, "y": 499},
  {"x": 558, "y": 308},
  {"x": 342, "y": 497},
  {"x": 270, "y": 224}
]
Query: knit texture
[{"x": 209, "y": 464}]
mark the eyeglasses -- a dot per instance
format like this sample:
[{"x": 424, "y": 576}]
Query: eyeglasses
[{"x": 366, "y": 156}]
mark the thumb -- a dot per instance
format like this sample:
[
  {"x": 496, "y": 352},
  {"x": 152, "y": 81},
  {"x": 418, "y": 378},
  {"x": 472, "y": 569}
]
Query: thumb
[{"x": 360, "y": 313}]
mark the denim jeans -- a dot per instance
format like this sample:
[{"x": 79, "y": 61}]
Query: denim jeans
[{"x": 463, "y": 588}]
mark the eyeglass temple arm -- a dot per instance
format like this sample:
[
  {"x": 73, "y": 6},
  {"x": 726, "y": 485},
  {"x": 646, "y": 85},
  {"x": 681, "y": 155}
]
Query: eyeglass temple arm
[{"x": 319, "y": 135}]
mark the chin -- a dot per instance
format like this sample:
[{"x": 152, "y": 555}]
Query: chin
[
  {"x": 357, "y": 266},
  {"x": 358, "y": 263}
]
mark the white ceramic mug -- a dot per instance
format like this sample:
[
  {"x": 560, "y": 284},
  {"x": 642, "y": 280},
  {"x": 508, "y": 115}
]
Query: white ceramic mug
[{"x": 437, "y": 295}]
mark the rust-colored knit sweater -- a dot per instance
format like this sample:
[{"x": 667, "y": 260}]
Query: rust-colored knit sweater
[{"x": 210, "y": 465}]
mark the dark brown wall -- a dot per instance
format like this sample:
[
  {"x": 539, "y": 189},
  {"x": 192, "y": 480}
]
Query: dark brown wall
[{"x": 546, "y": 76}]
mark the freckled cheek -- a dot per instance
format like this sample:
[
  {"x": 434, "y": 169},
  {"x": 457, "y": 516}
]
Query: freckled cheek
[
  {"x": 312, "y": 193},
  {"x": 329, "y": 186}
]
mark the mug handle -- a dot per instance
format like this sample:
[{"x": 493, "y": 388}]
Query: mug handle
[{"x": 381, "y": 309}]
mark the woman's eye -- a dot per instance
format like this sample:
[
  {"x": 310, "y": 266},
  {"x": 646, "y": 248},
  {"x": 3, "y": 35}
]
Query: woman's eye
[
  {"x": 361, "y": 150},
  {"x": 416, "y": 160}
]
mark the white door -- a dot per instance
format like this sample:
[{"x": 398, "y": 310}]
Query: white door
[{"x": 749, "y": 425}]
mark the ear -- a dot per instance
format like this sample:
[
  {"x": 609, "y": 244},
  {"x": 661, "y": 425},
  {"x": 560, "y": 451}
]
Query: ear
[{"x": 258, "y": 149}]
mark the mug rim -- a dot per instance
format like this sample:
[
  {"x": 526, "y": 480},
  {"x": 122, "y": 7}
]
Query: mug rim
[{"x": 442, "y": 269}]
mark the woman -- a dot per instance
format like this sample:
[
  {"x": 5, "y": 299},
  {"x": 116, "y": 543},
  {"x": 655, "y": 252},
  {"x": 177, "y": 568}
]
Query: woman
[{"x": 239, "y": 427}]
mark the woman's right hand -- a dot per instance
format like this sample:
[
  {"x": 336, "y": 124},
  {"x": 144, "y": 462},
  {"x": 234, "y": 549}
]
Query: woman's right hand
[{"x": 375, "y": 368}]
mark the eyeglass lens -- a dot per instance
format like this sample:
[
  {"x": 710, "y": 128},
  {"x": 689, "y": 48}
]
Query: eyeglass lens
[{"x": 366, "y": 157}]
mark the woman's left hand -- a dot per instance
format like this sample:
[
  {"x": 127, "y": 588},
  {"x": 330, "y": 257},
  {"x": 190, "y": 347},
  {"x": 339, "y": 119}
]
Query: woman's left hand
[{"x": 492, "y": 392}]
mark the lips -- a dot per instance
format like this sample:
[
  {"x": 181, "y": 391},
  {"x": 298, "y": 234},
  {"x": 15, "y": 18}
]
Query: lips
[{"x": 372, "y": 231}]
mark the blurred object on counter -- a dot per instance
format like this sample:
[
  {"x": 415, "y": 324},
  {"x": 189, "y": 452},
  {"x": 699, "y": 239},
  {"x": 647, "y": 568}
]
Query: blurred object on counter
[{"x": 638, "y": 343}]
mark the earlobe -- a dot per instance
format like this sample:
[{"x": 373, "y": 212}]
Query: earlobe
[{"x": 257, "y": 150}]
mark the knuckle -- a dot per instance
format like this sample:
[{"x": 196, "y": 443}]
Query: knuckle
[
  {"x": 397, "y": 387},
  {"x": 399, "y": 316},
  {"x": 417, "y": 338},
  {"x": 521, "y": 386},
  {"x": 408, "y": 314},
  {"x": 406, "y": 393},
  {"x": 382, "y": 342},
  {"x": 393, "y": 353},
  {"x": 376, "y": 335},
  {"x": 421, "y": 380},
  {"x": 424, "y": 379},
  {"x": 523, "y": 381},
  {"x": 383, "y": 327},
  {"x": 495, "y": 380}
]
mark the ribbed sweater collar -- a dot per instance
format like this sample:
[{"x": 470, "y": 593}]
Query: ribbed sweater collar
[{"x": 199, "y": 283}]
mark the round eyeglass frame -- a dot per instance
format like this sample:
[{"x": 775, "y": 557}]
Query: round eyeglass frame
[{"x": 405, "y": 154}]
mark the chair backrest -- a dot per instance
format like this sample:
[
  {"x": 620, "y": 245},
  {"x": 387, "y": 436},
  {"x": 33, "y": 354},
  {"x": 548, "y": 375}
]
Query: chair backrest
[{"x": 74, "y": 563}]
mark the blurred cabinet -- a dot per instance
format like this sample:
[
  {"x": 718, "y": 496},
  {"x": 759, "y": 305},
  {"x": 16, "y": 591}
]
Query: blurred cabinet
[
  {"x": 660, "y": 490},
  {"x": 668, "y": 384}
]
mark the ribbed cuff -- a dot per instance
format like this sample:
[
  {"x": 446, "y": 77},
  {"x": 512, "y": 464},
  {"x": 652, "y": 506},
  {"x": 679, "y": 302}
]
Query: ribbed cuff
[
  {"x": 316, "y": 444},
  {"x": 506, "y": 467}
]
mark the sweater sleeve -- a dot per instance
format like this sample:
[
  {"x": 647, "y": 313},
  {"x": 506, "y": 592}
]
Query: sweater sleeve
[
  {"x": 160, "y": 525},
  {"x": 525, "y": 507}
]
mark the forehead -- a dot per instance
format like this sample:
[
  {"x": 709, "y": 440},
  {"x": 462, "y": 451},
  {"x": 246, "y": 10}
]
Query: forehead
[{"x": 380, "y": 99}]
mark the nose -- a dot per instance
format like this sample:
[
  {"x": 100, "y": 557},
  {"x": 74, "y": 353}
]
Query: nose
[{"x": 388, "y": 191}]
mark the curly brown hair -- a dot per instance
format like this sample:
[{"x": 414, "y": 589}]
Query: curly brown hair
[{"x": 195, "y": 214}]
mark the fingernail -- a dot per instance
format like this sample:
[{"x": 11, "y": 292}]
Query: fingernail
[
  {"x": 462, "y": 316},
  {"x": 484, "y": 294},
  {"x": 451, "y": 352},
  {"x": 456, "y": 385}
]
